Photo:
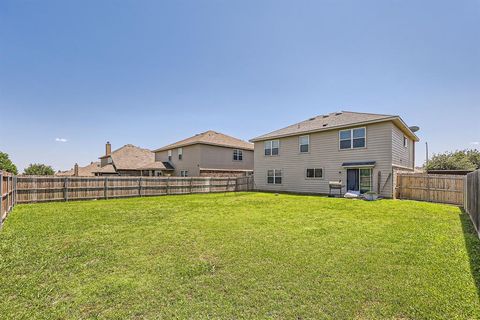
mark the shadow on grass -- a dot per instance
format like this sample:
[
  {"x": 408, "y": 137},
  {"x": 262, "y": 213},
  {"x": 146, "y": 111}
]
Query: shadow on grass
[{"x": 472, "y": 242}]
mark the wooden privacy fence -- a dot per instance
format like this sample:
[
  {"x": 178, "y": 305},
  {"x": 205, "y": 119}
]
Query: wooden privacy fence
[
  {"x": 47, "y": 188},
  {"x": 7, "y": 194},
  {"x": 430, "y": 187},
  {"x": 472, "y": 198}
]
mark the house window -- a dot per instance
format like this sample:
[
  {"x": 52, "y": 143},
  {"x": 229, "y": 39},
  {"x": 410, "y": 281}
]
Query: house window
[
  {"x": 405, "y": 142},
  {"x": 274, "y": 176},
  {"x": 109, "y": 160},
  {"x": 365, "y": 180},
  {"x": 237, "y": 155},
  {"x": 180, "y": 153},
  {"x": 271, "y": 147},
  {"x": 184, "y": 173},
  {"x": 304, "y": 142},
  {"x": 352, "y": 138},
  {"x": 314, "y": 173},
  {"x": 169, "y": 155}
]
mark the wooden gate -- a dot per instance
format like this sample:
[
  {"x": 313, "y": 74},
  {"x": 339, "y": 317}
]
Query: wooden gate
[{"x": 430, "y": 187}]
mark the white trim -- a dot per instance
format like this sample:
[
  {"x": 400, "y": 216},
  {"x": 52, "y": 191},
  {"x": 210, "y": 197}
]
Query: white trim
[
  {"x": 275, "y": 176},
  {"x": 271, "y": 148},
  {"x": 300, "y": 145},
  {"x": 351, "y": 139}
]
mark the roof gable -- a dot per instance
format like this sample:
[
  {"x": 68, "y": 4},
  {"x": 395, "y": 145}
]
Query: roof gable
[
  {"x": 333, "y": 121},
  {"x": 130, "y": 157},
  {"x": 211, "y": 138}
]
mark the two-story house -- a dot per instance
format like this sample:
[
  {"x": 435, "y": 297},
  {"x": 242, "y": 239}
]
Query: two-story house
[
  {"x": 359, "y": 151},
  {"x": 208, "y": 154}
]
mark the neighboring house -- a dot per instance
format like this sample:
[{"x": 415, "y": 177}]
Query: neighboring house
[
  {"x": 130, "y": 160},
  {"x": 359, "y": 151},
  {"x": 208, "y": 154},
  {"x": 77, "y": 171}
]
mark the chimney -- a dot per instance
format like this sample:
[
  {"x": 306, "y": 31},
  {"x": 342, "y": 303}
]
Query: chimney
[
  {"x": 108, "y": 149},
  {"x": 75, "y": 170}
]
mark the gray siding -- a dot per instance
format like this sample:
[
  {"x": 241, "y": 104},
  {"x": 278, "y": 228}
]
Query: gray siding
[
  {"x": 206, "y": 156},
  {"x": 401, "y": 156},
  {"x": 325, "y": 153},
  {"x": 213, "y": 157},
  {"x": 190, "y": 160}
]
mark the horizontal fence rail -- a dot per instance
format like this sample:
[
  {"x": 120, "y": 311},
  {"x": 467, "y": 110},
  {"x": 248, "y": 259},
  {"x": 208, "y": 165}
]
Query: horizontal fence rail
[
  {"x": 472, "y": 198},
  {"x": 7, "y": 194},
  {"x": 48, "y": 188},
  {"x": 447, "y": 189}
]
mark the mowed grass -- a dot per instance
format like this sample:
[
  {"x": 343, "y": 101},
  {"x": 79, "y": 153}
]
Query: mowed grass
[{"x": 233, "y": 256}]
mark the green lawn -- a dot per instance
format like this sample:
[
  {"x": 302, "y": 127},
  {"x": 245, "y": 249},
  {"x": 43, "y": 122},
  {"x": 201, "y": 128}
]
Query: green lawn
[{"x": 246, "y": 255}]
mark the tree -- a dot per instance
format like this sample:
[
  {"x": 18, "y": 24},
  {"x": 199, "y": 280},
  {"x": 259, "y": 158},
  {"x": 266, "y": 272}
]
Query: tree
[
  {"x": 38, "y": 169},
  {"x": 6, "y": 164},
  {"x": 458, "y": 160}
]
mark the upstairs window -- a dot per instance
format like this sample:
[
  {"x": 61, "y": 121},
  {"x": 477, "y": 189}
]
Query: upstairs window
[
  {"x": 405, "y": 142},
  {"x": 169, "y": 155},
  {"x": 314, "y": 173},
  {"x": 180, "y": 153},
  {"x": 274, "y": 176},
  {"x": 184, "y": 173},
  {"x": 304, "y": 142},
  {"x": 352, "y": 138},
  {"x": 271, "y": 147},
  {"x": 109, "y": 160},
  {"x": 237, "y": 155}
]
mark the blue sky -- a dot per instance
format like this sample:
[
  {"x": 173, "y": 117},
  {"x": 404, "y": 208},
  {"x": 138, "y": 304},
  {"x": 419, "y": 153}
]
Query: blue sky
[{"x": 153, "y": 72}]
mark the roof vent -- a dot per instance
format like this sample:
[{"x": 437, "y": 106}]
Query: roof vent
[
  {"x": 325, "y": 116},
  {"x": 338, "y": 113},
  {"x": 312, "y": 119},
  {"x": 325, "y": 124}
]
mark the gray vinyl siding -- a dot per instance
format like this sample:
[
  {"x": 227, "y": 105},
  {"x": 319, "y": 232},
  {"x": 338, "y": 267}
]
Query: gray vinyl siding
[
  {"x": 214, "y": 157},
  {"x": 401, "y": 156},
  {"x": 206, "y": 156},
  {"x": 190, "y": 160},
  {"x": 325, "y": 153}
]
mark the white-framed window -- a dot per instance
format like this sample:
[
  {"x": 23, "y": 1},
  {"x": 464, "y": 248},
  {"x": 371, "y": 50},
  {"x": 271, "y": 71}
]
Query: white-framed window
[
  {"x": 271, "y": 147},
  {"x": 314, "y": 173},
  {"x": 353, "y": 138},
  {"x": 169, "y": 155},
  {"x": 304, "y": 143},
  {"x": 183, "y": 173},
  {"x": 180, "y": 153},
  {"x": 237, "y": 155},
  {"x": 274, "y": 176},
  {"x": 365, "y": 180},
  {"x": 405, "y": 141},
  {"x": 109, "y": 160}
]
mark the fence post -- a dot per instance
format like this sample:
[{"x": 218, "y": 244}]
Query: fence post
[
  {"x": 190, "y": 188},
  {"x": 168, "y": 182},
  {"x": 8, "y": 194},
  {"x": 140, "y": 187},
  {"x": 105, "y": 188},
  {"x": 65, "y": 189},
  {"x": 1, "y": 198},
  {"x": 14, "y": 190}
]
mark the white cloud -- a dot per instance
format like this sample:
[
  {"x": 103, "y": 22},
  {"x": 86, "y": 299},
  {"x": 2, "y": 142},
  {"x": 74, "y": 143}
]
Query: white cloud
[
  {"x": 475, "y": 143},
  {"x": 61, "y": 140}
]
